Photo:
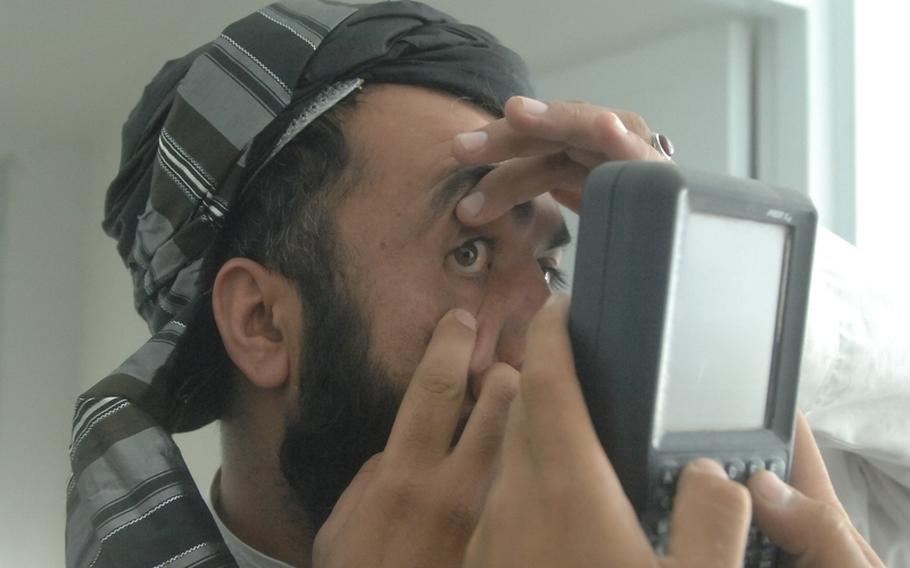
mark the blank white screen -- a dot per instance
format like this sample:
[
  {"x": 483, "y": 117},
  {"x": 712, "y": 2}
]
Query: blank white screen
[{"x": 719, "y": 332}]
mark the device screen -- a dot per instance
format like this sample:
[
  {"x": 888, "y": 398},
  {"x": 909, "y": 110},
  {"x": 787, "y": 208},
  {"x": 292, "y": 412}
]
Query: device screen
[{"x": 719, "y": 332}]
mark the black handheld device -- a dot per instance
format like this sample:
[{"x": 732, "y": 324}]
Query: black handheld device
[{"x": 688, "y": 311}]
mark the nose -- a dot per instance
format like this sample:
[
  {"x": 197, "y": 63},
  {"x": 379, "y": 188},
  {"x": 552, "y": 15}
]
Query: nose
[{"x": 504, "y": 317}]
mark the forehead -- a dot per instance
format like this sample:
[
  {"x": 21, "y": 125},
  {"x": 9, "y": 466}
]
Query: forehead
[
  {"x": 401, "y": 140},
  {"x": 397, "y": 129}
]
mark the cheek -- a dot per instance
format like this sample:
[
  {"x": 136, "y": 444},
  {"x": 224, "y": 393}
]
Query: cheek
[
  {"x": 407, "y": 295},
  {"x": 403, "y": 316}
]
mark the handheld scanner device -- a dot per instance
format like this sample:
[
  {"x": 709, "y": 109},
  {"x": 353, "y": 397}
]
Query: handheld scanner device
[{"x": 687, "y": 318}]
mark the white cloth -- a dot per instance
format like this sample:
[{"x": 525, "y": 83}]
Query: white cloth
[
  {"x": 245, "y": 555},
  {"x": 855, "y": 390}
]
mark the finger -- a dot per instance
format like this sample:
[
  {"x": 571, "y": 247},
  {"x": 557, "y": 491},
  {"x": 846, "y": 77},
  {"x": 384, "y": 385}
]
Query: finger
[
  {"x": 620, "y": 143},
  {"x": 518, "y": 181},
  {"x": 810, "y": 476},
  {"x": 569, "y": 199},
  {"x": 562, "y": 126},
  {"x": 808, "y": 472},
  {"x": 569, "y": 122},
  {"x": 481, "y": 442},
  {"x": 432, "y": 404},
  {"x": 815, "y": 532},
  {"x": 711, "y": 517},
  {"x": 559, "y": 425},
  {"x": 516, "y": 453},
  {"x": 475, "y": 148}
]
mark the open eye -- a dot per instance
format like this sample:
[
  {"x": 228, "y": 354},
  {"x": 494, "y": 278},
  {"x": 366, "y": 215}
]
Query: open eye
[{"x": 471, "y": 257}]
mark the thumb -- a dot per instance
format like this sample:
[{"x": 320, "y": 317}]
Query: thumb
[{"x": 816, "y": 533}]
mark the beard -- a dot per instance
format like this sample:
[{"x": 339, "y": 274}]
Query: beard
[
  {"x": 346, "y": 409},
  {"x": 348, "y": 400}
]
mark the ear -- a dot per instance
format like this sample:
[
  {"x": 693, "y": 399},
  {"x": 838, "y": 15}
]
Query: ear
[{"x": 257, "y": 313}]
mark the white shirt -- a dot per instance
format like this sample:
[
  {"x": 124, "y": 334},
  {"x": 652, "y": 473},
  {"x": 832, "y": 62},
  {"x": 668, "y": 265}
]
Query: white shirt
[{"x": 245, "y": 555}]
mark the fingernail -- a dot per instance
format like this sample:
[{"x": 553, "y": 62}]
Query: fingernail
[
  {"x": 466, "y": 318},
  {"x": 772, "y": 489},
  {"x": 709, "y": 466},
  {"x": 619, "y": 125},
  {"x": 472, "y": 141},
  {"x": 533, "y": 106},
  {"x": 471, "y": 205}
]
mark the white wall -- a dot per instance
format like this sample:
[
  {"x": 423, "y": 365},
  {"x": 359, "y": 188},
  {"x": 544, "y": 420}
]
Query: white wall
[
  {"x": 67, "y": 321},
  {"x": 882, "y": 126},
  {"x": 692, "y": 86},
  {"x": 40, "y": 350},
  {"x": 112, "y": 329}
]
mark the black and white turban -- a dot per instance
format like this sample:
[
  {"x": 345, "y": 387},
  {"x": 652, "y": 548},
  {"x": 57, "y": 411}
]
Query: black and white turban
[{"x": 204, "y": 127}]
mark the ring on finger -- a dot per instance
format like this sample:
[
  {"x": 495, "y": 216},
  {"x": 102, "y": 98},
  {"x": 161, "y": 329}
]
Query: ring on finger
[{"x": 662, "y": 144}]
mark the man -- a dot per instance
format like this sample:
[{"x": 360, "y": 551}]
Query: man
[{"x": 340, "y": 249}]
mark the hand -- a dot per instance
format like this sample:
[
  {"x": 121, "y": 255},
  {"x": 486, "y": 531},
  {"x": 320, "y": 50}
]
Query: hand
[
  {"x": 557, "y": 500},
  {"x": 546, "y": 147},
  {"x": 807, "y": 520},
  {"x": 417, "y": 503}
]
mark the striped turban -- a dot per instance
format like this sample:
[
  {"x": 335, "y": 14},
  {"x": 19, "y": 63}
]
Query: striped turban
[{"x": 203, "y": 128}]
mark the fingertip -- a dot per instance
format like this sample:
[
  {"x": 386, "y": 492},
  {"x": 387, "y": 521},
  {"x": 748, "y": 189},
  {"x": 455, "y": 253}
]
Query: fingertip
[
  {"x": 767, "y": 488},
  {"x": 465, "y": 317},
  {"x": 706, "y": 466},
  {"x": 532, "y": 107},
  {"x": 512, "y": 106},
  {"x": 471, "y": 142},
  {"x": 616, "y": 123},
  {"x": 470, "y": 207}
]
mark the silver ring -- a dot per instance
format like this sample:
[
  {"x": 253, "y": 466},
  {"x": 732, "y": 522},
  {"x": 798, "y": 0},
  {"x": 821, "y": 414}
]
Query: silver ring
[{"x": 662, "y": 144}]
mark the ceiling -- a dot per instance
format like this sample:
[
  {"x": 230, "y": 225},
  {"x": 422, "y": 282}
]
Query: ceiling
[{"x": 71, "y": 71}]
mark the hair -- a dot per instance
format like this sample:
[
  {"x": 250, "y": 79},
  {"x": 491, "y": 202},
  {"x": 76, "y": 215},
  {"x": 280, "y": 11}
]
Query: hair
[{"x": 284, "y": 222}]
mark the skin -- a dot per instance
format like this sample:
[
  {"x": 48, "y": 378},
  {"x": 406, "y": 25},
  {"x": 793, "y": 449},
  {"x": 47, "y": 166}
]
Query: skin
[
  {"x": 403, "y": 256},
  {"x": 456, "y": 340}
]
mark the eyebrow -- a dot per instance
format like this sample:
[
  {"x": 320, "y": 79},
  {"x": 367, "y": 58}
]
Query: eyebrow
[
  {"x": 460, "y": 182},
  {"x": 455, "y": 186}
]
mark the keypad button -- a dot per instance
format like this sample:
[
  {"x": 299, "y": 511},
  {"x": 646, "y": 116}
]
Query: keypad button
[
  {"x": 736, "y": 469},
  {"x": 777, "y": 467},
  {"x": 669, "y": 474},
  {"x": 753, "y": 466},
  {"x": 665, "y": 502},
  {"x": 663, "y": 526}
]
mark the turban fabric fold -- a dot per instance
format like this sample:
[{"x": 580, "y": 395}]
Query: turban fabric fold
[{"x": 203, "y": 128}]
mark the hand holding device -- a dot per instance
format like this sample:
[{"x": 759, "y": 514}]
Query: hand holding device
[
  {"x": 557, "y": 501},
  {"x": 687, "y": 320}
]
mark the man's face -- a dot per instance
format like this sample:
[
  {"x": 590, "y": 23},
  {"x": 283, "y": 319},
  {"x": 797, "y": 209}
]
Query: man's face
[
  {"x": 409, "y": 257},
  {"x": 405, "y": 260}
]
